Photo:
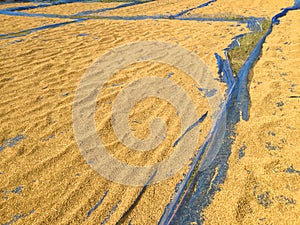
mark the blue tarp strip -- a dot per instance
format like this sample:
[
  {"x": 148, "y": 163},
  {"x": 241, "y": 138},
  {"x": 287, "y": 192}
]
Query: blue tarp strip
[
  {"x": 29, "y": 31},
  {"x": 43, "y": 5},
  {"x": 188, "y": 10},
  {"x": 111, "y": 8},
  {"x": 80, "y": 19},
  {"x": 61, "y": 2},
  {"x": 96, "y": 205}
]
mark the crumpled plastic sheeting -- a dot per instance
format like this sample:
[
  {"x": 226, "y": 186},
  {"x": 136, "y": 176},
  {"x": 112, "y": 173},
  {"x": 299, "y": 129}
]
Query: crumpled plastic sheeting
[
  {"x": 200, "y": 184},
  {"x": 254, "y": 25},
  {"x": 225, "y": 71}
]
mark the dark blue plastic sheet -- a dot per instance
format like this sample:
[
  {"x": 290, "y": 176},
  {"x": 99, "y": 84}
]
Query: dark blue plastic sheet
[
  {"x": 198, "y": 187},
  {"x": 188, "y": 204}
]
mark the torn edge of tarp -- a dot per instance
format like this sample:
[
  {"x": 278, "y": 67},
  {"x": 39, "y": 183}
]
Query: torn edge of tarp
[{"x": 239, "y": 96}]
